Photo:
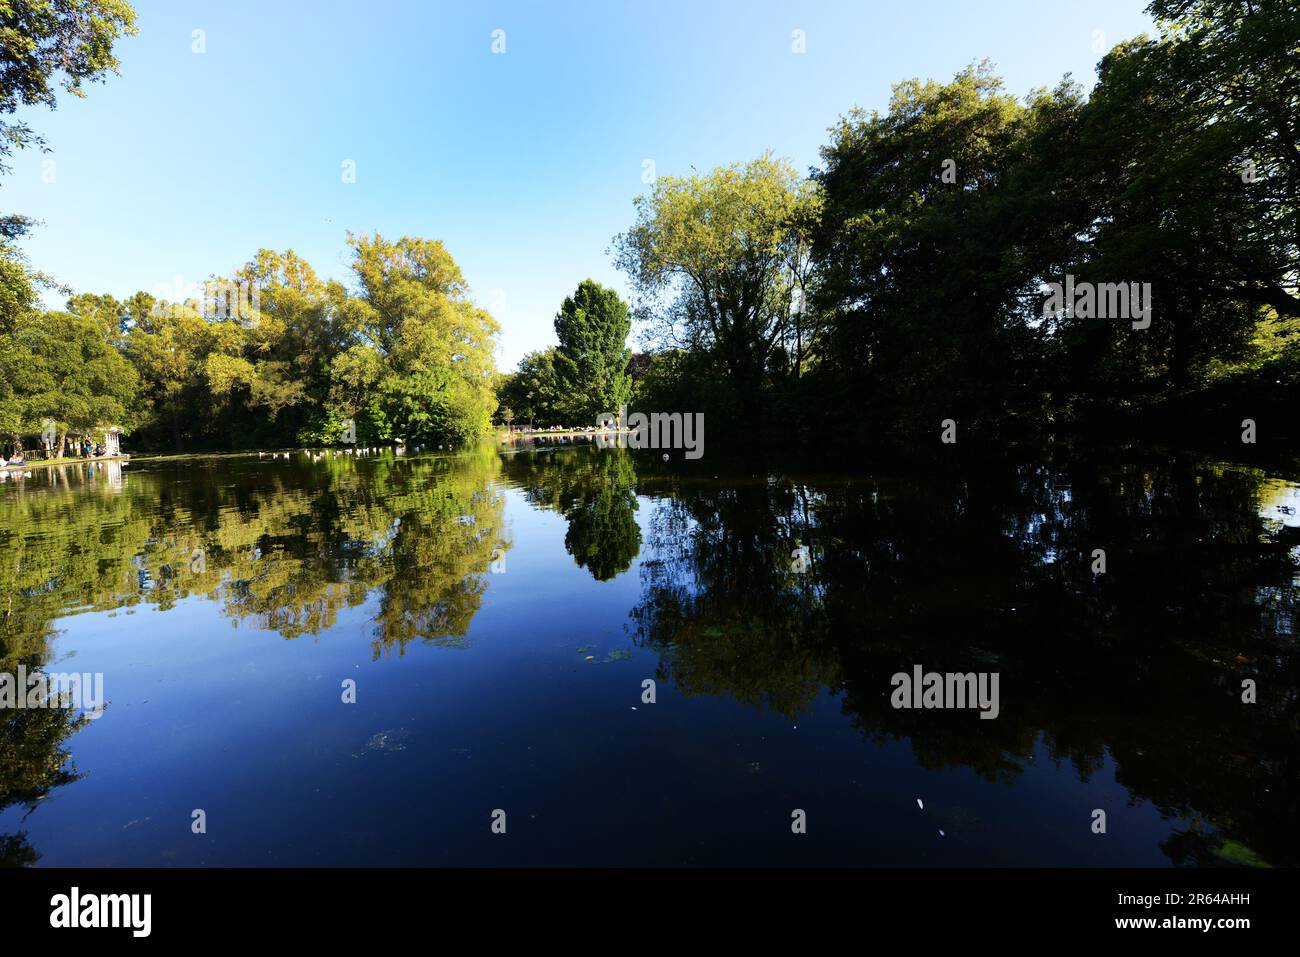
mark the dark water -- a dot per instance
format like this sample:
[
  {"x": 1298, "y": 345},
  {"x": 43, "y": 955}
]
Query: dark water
[{"x": 500, "y": 613}]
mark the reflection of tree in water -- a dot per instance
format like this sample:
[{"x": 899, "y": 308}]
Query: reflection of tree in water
[
  {"x": 16, "y": 852},
  {"x": 285, "y": 547},
  {"x": 1141, "y": 666},
  {"x": 33, "y": 759},
  {"x": 724, "y": 594},
  {"x": 993, "y": 573},
  {"x": 434, "y": 573},
  {"x": 594, "y": 490},
  {"x": 33, "y": 762}
]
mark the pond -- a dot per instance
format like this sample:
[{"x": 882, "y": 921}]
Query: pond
[{"x": 550, "y": 653}]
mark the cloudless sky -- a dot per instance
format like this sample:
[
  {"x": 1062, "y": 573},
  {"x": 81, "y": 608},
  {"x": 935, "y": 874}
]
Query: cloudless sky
[{"x": 524, "y": 163}]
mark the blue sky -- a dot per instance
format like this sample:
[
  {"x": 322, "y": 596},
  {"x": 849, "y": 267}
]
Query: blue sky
[{"x": 524, "y": 163}]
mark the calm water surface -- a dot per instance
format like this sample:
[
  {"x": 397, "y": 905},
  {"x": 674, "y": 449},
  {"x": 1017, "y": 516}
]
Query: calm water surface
[{"x": 500, "y": 613}]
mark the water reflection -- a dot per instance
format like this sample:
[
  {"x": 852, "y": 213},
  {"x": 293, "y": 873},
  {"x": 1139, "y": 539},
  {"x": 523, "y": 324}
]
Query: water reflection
[
  {"x": 595, "y": 493},
  {"x": 282, "y": 550},
  {"x": 993, "y": 572},
  {"x": 755, "y": 586}
]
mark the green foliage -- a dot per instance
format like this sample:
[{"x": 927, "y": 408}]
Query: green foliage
[
  {"x": 18, "y": 282},
  {"x": 720, "y": 255},
  {"x": 533, "y": 392},
  {"x": 408, "y": 357},
  {"x": 63, "y": 370},
  {"x": 45, "y": 44},
  {"x": 936, "y": 225},
  {"x": 434, "y": 372},
  {"x": 927, "y": 245},
  {"x": 682, "y": 379},
  {"x": 591, "y": 362},
  {"x": 17, "y": 302}
]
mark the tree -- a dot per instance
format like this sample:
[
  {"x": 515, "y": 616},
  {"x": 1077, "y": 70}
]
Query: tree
[
  {"x": 436, "y": 369},
  {"x": 45, "y": 44},
  {"x": 712, "y": 255},
  {"x": 533, "y": 390},
  {"x": 76, "y": 379},
  {"x": 18, "y": 283},
  {"x": 1236, "y": 67},
  {"x": 104, "y": 310},
  {"x": 591, "y": 360},
  {"x": 1188, "y": 155},
  {"x": 169, "y": 344},
  {"x": 273, "y": 355},
  {"x": 299, "y": 326},
  {"x": 921, "y": 249},
  {"x": 18, "y": 299}
]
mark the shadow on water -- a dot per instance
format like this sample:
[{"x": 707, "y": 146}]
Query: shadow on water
[
  {"x": 993, "y": 573},
  {"x": 769, "y": 590},
  {"x": 757, "y": 585}
]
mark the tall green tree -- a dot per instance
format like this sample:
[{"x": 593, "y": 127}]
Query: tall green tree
[
  {"x": 76, "y": 379},
  {"x": 299, "y": 325},
  {"x": 591, "y": 361},
  {"x": 712, "y": 256},
  {"x": 424, "y": 358},
  {"x": 169, "y": 345},
  {"x": 1188, "y": 152},
  {"x": 1237, "y": 65},
  {"x": 922, "y": 245},
  {"x": 18, "y": 300}
]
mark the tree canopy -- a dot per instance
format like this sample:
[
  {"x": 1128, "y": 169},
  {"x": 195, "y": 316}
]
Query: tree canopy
[
  {"x": 717, "y": 252},
  {"x": 47, "y": 44},
  {"x": 591, "y": 361},
  {"x": 921, "y": 251},
  {"x": 406, "y": 356}
]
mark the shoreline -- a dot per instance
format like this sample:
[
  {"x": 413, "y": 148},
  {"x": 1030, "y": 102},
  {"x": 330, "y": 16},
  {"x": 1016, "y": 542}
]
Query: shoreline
[{"x": 47, "y": 463}]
